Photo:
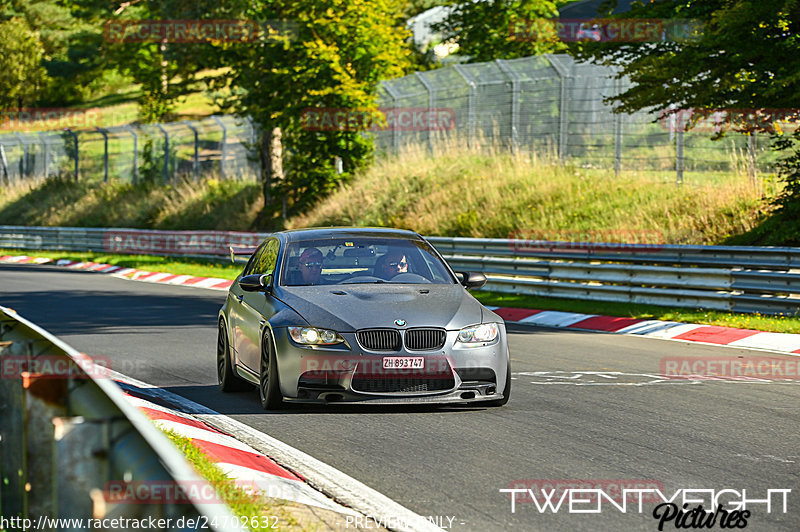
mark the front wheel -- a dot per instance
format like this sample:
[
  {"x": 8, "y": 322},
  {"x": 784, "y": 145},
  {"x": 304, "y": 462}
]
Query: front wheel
[
  {"x": 268, "y": 386},
  {"x": 227, "y": 380}
]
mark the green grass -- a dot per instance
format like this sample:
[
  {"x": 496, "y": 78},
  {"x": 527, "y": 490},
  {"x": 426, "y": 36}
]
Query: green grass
[
  {"x": 759, "y": 322},
  {"x": 241, "y": 503}
]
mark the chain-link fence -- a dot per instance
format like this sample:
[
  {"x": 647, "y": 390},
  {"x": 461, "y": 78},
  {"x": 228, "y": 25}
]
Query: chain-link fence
[
  {"x": 554, "y": 105},
  {"x": 222, "y": 146}
]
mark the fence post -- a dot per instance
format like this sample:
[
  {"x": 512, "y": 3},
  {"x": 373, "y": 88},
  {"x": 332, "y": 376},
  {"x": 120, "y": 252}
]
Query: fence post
[
  {"x": 46, "y": 146},
  {"x": 679, "y": 154},
  {"x": 166, "y": 153},
  {"x": 4, "y": 162},
  {"x": 223, "y": 148},
  {"x": 470, "y": 104},
  {"x": 751, "y": 157},
  {"x": 395, "y": 132},
  {"x": 563, "y": 108},
  {"x": 105, "y": 152},
  {"x": 431, "y": 103},
  {"x": 617, "y": 134},
  {"x": 196, "y": 159},
  {"x": 135, "y": 153},
  {"x": 514, "y": 103},
  {"x": 77, "y": 156},
  {"x": 23, "y": 166}
]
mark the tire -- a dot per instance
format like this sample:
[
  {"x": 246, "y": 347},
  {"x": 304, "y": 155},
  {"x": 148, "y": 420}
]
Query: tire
[
  {"x": 227, "y": 379},
  {"x": 506, "y": 390},
  {"x": 269, "y": 391}
]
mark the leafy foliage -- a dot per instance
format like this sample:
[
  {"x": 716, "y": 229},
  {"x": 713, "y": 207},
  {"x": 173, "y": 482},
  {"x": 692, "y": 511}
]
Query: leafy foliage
[
  {"x": 501, "y": 29},
  {"x": 21, "y": 73}
]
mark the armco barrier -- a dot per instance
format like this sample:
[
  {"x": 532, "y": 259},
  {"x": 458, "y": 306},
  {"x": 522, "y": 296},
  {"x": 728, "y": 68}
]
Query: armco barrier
[
  {"x": 736, "y": 278},
  {"x": 67, "y": 432}
]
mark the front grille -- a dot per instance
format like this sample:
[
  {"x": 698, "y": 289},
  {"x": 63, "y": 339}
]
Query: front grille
[
  {"x": 383, "y": 384},
  {"x": 425, "y": 339},
  {"x": 379, "y": 339}
]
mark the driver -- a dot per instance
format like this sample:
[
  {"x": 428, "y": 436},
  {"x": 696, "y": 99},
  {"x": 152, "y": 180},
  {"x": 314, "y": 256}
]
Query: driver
[
  {"x": 311, "y": 266},
  {"x": 391, "y": 264}
]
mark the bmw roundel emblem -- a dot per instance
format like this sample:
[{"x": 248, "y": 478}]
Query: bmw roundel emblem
[{"x": 400, "y": 323}]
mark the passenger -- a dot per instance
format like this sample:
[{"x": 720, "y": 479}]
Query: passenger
[
  {"x": 391, "y": 264},
  {"x": 311, "y": 266}
]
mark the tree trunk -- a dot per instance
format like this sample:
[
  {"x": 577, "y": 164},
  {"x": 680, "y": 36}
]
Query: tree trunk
[{"x": 271, "y": 161}]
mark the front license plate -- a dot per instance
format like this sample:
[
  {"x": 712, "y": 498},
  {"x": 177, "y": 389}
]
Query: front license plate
[{"x": 403, "y": 362}]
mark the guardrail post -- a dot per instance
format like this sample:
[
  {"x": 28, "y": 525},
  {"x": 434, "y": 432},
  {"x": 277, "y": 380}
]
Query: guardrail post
[
  {"x": 431, "y": 103},
  {"x": 196, "y": 159},
  {"x": 470, "y": 104},
  {"x": 679, "y": 154},
  {"x": 105, "y": 152},
  {"x": 135, "y": 153},
  {"x": 223, "y": 147},
  {"x": 166, "y": 152},
  {"x": 75, "y": 144}
]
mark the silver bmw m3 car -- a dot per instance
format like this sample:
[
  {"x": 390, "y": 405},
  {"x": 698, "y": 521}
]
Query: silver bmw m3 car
[{"x": 359, "y": 315}]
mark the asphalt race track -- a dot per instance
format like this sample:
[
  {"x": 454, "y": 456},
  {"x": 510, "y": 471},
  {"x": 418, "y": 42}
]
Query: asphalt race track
[{"x": 585, "y": 406}]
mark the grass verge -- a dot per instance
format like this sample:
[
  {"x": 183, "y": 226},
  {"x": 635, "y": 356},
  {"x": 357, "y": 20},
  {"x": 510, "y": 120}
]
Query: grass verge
[
  {"x": 250, "y": 508},
  {"x": 200, "y": 268}
]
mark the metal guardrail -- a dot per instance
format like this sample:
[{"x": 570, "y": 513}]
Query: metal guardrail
[
  {"x": 735, "y": 278},
  {"x": 68, "y": 435}
]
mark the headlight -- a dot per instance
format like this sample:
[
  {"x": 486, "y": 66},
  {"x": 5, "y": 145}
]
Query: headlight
[
  {"x": 485, "y": 332},
  {"x": 314, "y": 336}
]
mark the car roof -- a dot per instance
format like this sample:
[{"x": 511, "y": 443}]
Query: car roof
[{"x": 315, "y": 233}]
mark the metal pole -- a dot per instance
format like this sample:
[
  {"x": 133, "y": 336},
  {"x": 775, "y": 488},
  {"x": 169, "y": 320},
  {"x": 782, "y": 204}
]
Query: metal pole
[
  {"x": 43, "y": 138},
  {"x": 514, "y": 103},
  {"x": 223, "y": 148},
  {"x": 431, "y": 102},
  {"x": 395, "y": 132},
  {"x": 679, "y": 152},
  {"x": 751, "y": 157},
  {"x": 196, "y": 160},
  {"x": 23, "y": 167},
  {"x": 77, "y": 157},
  {"x": 105, "y": 152},
  {"x": 135, "y": 153},
  {"x": 470, "y": 104},
  {"x": 166, "y": 152},
  {"x": 4, "y": 162},
  {"x": 617, "y": 135},
  {"x": 563, "y": 110}
]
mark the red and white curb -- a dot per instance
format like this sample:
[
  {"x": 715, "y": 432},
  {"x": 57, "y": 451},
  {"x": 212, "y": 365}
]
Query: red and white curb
[
  {"x": 133, "y": 274},
  {"x": 666, "y": 330},
  {"x": 254, "y": 460},
  {"x": 250, "y": 469}
]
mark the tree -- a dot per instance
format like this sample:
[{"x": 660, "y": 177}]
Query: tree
[
  {"x": 332, "y": 55},
  {"x": 485, "y": 30},
  {"x": 745, "y": 59},
  {"x": 21, "y": 71}
]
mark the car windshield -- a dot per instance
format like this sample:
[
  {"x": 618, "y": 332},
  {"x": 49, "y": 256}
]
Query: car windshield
[{"x": 362, "y": 260}]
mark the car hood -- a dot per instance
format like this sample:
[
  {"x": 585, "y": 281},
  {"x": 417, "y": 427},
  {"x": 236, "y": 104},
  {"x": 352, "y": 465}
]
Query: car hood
[{"x": 347, "y": 308}]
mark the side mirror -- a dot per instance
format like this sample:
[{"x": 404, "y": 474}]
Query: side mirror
[
  {"x": 471, "y": 280},
  {"x": 258, "y": 282}
]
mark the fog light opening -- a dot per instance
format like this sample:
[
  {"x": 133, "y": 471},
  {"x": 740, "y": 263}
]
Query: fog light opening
[
  {"x": 468, "y": 395},
  {"x": 491, "y": 390},
  {"x": 333, "y": 397}
]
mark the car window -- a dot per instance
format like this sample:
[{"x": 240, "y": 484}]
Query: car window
[
  {"x": 362, "y": 260},
  {"x": 264, "y": 259}
]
